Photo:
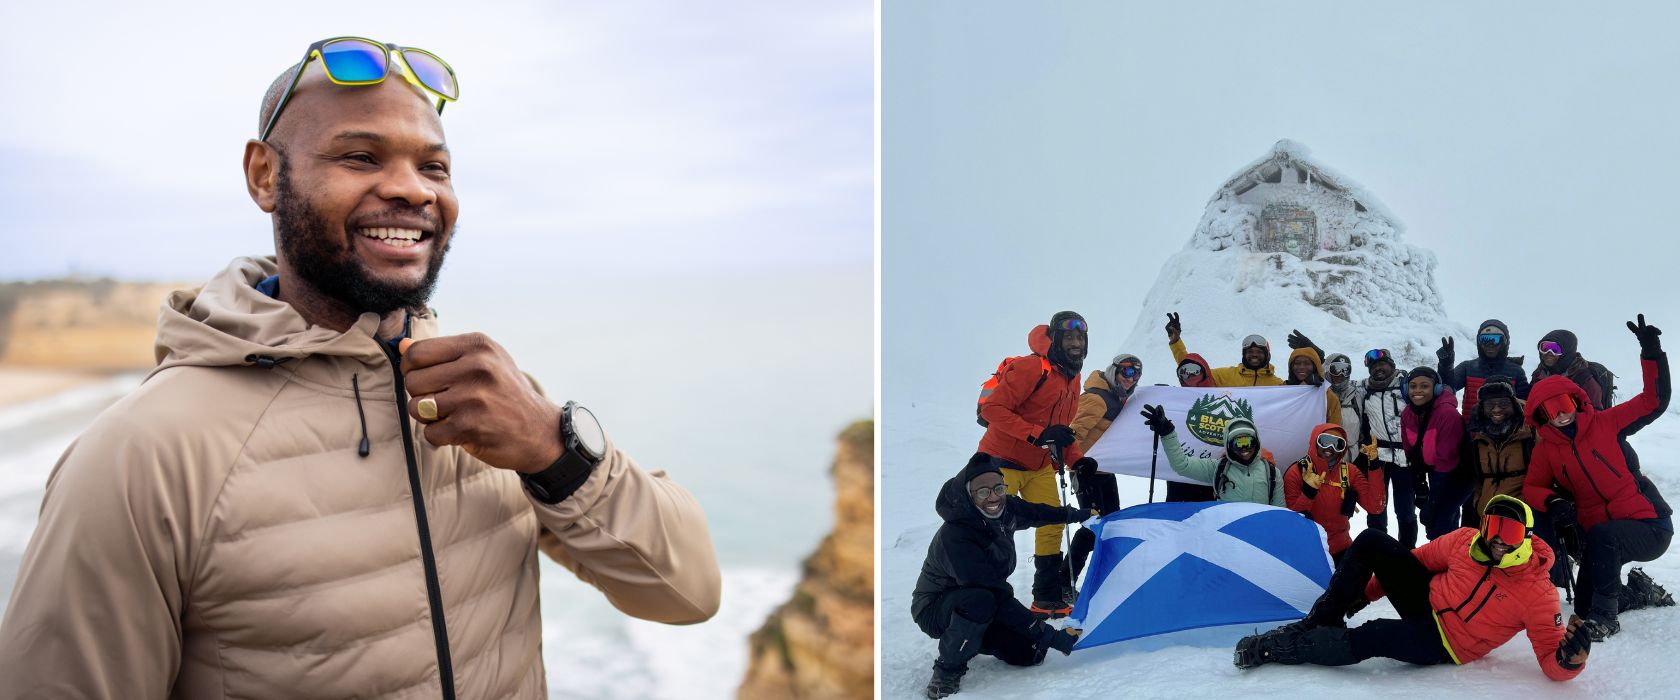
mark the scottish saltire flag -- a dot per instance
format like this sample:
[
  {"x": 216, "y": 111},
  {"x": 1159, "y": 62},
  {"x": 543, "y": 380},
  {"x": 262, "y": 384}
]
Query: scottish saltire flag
[
  {"x": 1165, "y": 567},
  {"x": 1285, "y": 416}
]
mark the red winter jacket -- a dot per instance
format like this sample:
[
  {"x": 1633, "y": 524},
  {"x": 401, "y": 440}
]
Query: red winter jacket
[
  {"x": 1441, "y": 439},
  {"x": 1016, "y": 413},
  {"x": 1324, "y": 505},
  {"x": 1591, "y": 464},
  {"x": 1479, "y": 607}
]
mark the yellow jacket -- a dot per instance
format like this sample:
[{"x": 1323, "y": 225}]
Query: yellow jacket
[
  {"x": 1093, "y": 416},
  {"x": 1232, "y": 376}
]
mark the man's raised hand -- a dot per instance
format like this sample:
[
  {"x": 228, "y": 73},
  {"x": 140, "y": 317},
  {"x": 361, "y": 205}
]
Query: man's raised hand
[
  {"x": 1172, "y": 327},
  {"x": 483, "y": 402}
]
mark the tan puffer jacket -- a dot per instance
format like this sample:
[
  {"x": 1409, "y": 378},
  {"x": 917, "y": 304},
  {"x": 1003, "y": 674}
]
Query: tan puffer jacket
[{"x": 216, "y": 533}]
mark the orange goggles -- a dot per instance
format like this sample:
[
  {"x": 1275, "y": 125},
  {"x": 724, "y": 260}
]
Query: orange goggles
[{"x": 1509, "y": 531}]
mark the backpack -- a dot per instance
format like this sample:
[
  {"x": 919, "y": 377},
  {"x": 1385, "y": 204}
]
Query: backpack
[
  {"x": 1219, "y": 477},
  {"x": 1606, "y": 382},
  {"x": 991, "y": 384}
]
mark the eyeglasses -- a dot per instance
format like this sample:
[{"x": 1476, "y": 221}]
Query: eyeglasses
[
  {"x": 1553, "y": 348},
  {"x": 983, "y": 491},
  {"x": 1191, "y": 370},
  {"x": 1509, "y": 530},
  {"x": 1071, "y": 324},
  {"x": 1490, "y": 338},
  {"x": 1377, "y": 355},
  {"x": 1339, "y": 367},
  {"x": 1255, "y": 341},
  {"x": 1243, "y": 442},
  {"x": 1130, "y": 371},
  {"x": 1331, "y": 442},
  {"x": 350, "y": 60}
]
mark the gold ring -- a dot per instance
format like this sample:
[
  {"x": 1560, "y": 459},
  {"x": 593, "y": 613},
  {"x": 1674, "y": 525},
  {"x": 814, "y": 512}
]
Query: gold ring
[{"x": 427, "y": 408}]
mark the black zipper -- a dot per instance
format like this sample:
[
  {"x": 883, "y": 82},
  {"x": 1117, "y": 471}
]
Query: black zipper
[
  {"x": 1485, "y": 599},
  {"x": 1607, "y": 464},
  {"x": 1590, "y": 482},
  {"x": 434, "y": 590},
  {"x": 1472, "y": 595}
]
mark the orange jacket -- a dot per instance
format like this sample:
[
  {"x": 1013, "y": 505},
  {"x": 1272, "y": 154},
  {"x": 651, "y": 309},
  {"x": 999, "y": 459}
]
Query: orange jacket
[
  {"x": 1016, "y": 413},
  {"x": 1480, "y": 607},
  {"x": 1324, "y": 504}
]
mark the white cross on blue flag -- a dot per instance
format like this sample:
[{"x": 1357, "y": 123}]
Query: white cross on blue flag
[{"x": 1166, "y": 567}]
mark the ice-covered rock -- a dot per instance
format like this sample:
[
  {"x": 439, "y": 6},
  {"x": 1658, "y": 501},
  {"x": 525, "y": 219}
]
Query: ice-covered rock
[{"x": 1287, "y": 243}]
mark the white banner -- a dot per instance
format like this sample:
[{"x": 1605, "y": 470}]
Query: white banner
[{"x": 1285, "y": 415}]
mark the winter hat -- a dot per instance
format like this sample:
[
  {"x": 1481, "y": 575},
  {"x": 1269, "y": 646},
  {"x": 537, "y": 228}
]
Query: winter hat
[
  {"x": 1424, "y": 372},
  {"x": 979, "y": 464},
  {"x": 1495, "y": 388},
  {"x": 1112, "y": 371},
  {"x": 1061, "y": 323},
  {"x": 1238, "y": 427},
  {"x": 1494, "y": 325}
]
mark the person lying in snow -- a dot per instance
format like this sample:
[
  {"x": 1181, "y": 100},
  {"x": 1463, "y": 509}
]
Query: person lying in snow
[
  {"x": 963, "y": 597},
  {"x": 1459, "y": 597}
]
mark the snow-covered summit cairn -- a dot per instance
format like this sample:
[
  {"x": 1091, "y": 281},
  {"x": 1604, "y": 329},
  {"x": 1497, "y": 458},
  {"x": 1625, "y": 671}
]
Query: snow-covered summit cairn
[{"x": 1289, "y": 243}]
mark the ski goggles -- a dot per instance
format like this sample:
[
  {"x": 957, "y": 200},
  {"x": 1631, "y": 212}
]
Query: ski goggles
[
  {"x": 1255, "y": 341},
  {"x": 351, "y": 60},
  {"x": 1559, "y": 404},
  {"x": 1550, "y": 347},
  {"x": 1331, "y": 442},
  {"x": 984, "y": 491},
  {"x": 1378, "y": 355},
  {"x": 1490, "y": 338},
  {"x": 1190, "y": 370},
  {"x": 1072, "y": 324},
  {"x": 1243, "y": 442},
  {"x": 1342, "y": 367},
  {"x": 1508, "y": 530},
  {"x": 1130, "y": 371}
]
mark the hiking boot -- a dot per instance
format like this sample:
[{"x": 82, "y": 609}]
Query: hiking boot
[
  {"x": 1050, "y": 609},
  {"x": 1643, "y": 592},
  {"x": 944, "y": 682},
  {"x": 1070, "y": 595},
  {"x": 1276, "y": 646},
  {"x": 1600, "y": 627}
]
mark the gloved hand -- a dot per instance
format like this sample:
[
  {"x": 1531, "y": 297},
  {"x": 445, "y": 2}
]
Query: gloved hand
[
  {"x": 1313, "y": 478},
  {"x": 1377, "y": 521},
  {"x": 1445, "y": 354},
  {"x": 1298, "y": 341},
  {"x": 1077, "y": 515},
  {"x": 1358, "y": 605},
  {"x": 1058, "y": 435},
  {"x": 1085, "y": 468},
  {"x": 1563, "y": 512},
  {"x": 1649, "y": 344},
  {"x": 1172, "y": 328},
  {"x": 1063, "y": 640},
  {"x": 1156, "y": 418},
  {"x": 1369, "y": 449},
  {"x": 1576, "y": 644}
]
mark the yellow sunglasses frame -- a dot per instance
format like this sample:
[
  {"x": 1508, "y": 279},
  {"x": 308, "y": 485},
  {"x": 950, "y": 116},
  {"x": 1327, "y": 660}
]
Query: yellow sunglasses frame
[{"x": 407, "y": 71}]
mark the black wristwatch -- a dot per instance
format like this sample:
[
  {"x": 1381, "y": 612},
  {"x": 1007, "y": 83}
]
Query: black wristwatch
[{"x": 585, "y": 446}]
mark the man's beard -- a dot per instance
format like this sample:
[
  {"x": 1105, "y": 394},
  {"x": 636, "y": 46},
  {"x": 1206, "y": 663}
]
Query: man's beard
[{"x": 333, "y": 269}]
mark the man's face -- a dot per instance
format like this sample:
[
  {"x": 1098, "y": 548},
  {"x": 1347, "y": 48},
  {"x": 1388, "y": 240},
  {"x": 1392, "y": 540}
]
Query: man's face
[
  {"x": 363, "y": 204},
  {"x": 1243, "y": 454},
  {"x": 1381, "y": 372},
  {"x": 1421, "y": 390},
  {"x": 1498, "y": 410},
  {"x": 1489, "y": 349},
  {"x": 983, "y": 491},
  {"x": 1254, "y": 357},
  {"x": 1073, "y": 345},
  {"x": 1498, "y": 548},
  {"x": 1547, "y": 360}
]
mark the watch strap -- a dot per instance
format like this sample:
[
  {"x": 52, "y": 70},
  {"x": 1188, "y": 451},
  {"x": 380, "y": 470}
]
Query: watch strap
[{"x": 560, "y": 480}]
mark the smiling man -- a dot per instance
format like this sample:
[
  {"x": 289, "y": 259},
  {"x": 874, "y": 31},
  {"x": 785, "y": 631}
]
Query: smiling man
[{"x": 317, "y": 495}]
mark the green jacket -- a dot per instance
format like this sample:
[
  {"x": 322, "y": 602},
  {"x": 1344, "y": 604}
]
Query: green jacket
[{"x": 1243, "y": 482}]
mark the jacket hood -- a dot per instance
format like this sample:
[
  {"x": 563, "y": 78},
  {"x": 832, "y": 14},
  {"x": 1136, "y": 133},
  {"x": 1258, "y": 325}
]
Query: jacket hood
[
  {"x": 1317, "y": 377},
  {"x": 1207, "y": 370},
  {"x": 1312, "y": 443},
  {"x": 953, "y": 503},
  {"x": 1504, "y": 347},
  {"x": 229, "y": 323},
  {"x": 1038, "y": 339},
  {"x": 1570, "y": 346},
  {"x": 1550, "y": 388},
  {"x": 1531, "y": 558},
  {"x": 1113, "y": 377}
]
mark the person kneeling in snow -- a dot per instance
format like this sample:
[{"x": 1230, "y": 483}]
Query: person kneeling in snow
[
  {"x": 963, "y": 597},
  {"x": 1324, "y": 487},
  {"x": 1243, "y": 474},
  {"x": 1460, "y": 596}
]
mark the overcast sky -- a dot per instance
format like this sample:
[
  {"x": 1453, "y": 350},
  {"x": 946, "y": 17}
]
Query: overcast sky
[
  {"x": 634, "y": 136},
  {"x": 1037, "y": 159}
]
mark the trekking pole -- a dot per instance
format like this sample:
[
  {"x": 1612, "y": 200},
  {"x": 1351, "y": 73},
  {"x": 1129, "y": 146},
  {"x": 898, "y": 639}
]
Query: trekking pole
[
  {"x": 1061, "y": 484},
  {"x": 1154, "y": 455}
]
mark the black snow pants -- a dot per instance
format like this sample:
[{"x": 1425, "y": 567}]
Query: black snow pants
[
  {"x": 1609, "y": 545},
  {"x": 972, "y": 621},
  {"x": 1412, "y": 638}
]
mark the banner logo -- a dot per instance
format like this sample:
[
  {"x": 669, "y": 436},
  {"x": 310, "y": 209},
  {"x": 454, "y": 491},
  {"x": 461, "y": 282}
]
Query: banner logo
[{"x": 1207, "y": 417}]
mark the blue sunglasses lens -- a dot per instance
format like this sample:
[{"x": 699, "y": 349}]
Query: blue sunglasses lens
[
  {"x": 1130, "y": 371},
  {"x": 354, "y": 61},
  {"x": 431, "y": 72},
  {"x": 1491, "y": 338}
]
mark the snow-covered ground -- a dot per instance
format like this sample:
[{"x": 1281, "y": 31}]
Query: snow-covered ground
[{"x": 925, "y": 441}]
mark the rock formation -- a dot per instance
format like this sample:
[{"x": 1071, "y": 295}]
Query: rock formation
[{"x": 820, "y": 644}]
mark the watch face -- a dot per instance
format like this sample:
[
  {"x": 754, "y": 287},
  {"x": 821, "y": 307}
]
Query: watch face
[{"x": 588, "y": 432}]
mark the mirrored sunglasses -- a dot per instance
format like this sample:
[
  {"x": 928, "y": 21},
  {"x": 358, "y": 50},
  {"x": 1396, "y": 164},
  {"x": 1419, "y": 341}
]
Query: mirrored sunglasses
[
  {"x": 1490, "y": 338},
  {"x": 352, "y": 60}
]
